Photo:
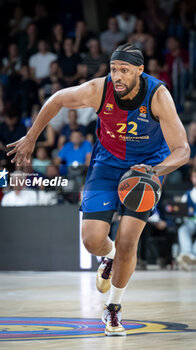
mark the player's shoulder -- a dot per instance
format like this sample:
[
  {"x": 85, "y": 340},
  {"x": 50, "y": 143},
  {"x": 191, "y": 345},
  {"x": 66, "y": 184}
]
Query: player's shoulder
[
  {"x": 162, "y": 94},
  {"x": 92, "y": 87},
  {"x": 97, "y": 83},
  {"x": 92, "y": 92},
  {"x": 162, "y": 104}
]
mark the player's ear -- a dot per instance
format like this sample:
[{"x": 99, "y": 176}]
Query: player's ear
[{"x": 140, "y": 69}]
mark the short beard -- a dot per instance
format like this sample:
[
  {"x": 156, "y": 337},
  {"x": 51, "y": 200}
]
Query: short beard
[{"x": 128, "y": 88}]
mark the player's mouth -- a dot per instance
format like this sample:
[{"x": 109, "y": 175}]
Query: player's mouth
[{"x": 120, "y": 87}]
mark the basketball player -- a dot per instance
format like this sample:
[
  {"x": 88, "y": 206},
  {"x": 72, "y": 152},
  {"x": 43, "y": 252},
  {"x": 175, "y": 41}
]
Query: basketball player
[{"x": 137, "y": 124}]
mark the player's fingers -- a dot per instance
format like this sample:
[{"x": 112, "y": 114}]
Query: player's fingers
[
  {"x": 14, "y": 159},
  {"x": 136, "y": 165},
  {"x": 19, "y": 160},
  {"x": 28, "y": 157},
  {"x": 12, "y": 151},
  {"x": 139, "y": 166},
  {"x": 12, "y": 144}
]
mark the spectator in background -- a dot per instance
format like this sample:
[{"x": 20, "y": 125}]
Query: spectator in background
[
  {"x": 12, "y": 63},
  {"x": 18, "y": 23},
  {"x": 69, "y": 61},
  {"x": 95, "y": 63},
  {"x": 11, "y": 67},
  {"x": 110, "y": 38},
  {"x": 155, "y": 70},
  {"x": 70, "y": 127},
  {"x": 28, "y": 42},
  {"x": 82, "y": 36},
  {"x": 186, "y": 232},
  {"x": 157, "y": 228},
  {"x": 10, "y": 130},
  {"x": 126, "y": 21},
  {"x": 191, "y": 133},
  {"x": 4, "y": 79},
  {"x": 75, "y": 152},
  {"x": 155, "y": 20},
  {"x": 45, "y": 195},
  {"x": 42, "y": 20},
  {"x": 85, "y": 116},
  {"x": 4, "y": 103},
  {"x": 56, "y": 76},
  {"x": 174, "y": 50},
  {"x": 41, "y": 160},
  {"x": 167, "y": 5},
  {"x": 180, "y": 22},
  {"x": 39, "y": 63},
  {"x": 150, "y": 51},
  {"x": 47, "y": 137},
  {"x": 19, "y": 195},
  {"x": 91, "y": 135},
  {"x": 57, "y": 38},
  {"x": 139, "y": 37},
  {"x": 26, "y": 94},
  {"x": 48, "y": 195}
]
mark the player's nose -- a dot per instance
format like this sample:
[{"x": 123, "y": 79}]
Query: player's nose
[{"x": 117, "y": 77}]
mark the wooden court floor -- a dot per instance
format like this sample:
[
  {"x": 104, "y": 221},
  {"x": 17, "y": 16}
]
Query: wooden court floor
[{"x": 161, "y": 305}]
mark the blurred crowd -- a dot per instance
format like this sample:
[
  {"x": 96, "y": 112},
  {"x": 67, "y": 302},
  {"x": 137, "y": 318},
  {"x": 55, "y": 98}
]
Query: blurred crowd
[{"x": 41, "y": 53}]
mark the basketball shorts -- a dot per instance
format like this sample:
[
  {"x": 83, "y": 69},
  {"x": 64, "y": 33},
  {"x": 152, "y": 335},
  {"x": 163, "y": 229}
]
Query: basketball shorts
[{"x": 100, "y": 195}]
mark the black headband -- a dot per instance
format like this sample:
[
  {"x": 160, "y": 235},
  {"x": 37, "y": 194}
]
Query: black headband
[{"x": 135, "y": 57}]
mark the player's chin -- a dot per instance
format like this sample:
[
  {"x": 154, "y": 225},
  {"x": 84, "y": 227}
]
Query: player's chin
[{"x": 121, "y": 93}]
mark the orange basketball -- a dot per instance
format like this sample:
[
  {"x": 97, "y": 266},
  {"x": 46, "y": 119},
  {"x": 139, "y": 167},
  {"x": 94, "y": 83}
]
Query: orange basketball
[{"x": 139, "y": 189}]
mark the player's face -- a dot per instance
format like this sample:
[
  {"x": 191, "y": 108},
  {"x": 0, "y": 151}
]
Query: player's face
[{"x": 125, "y": 77}]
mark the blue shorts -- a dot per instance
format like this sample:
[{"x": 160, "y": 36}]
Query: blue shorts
[
  {"x": 100, "y": 192},
  {"x": 100, "y": 195}
]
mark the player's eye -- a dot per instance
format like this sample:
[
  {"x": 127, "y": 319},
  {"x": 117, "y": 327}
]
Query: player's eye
[{"x": 124, "y": 70}]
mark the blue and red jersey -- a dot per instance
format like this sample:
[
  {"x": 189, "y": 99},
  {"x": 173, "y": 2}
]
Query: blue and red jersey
[{"x": 129, "y": 135}]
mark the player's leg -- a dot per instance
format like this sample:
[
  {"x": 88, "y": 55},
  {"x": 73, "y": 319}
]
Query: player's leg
[
  {"x": 124, "y": 264},
  {"x": 100, "y": 200},
  {"x": 95, "y": 230},
  {"x": 95, "y": 237},
  {"x": 125, "y": 260}
]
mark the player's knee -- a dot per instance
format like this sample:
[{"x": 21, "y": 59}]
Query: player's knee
[
  {"x": 91, "y": 240},
  {"x": 89, "y": 244},
  {"x": 127, "y": 247}
]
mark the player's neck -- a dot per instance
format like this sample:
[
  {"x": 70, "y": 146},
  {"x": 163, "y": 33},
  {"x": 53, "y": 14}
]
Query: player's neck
[{"x": 132, "y": 93}]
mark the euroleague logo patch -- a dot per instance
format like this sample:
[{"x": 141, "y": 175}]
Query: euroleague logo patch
[
  {"x": 27, "y": 328},
  {"x": 143, "y": 110}
]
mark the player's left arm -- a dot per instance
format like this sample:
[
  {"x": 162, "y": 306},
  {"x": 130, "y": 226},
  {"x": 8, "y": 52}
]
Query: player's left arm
[{"x": 173, "y": 131}]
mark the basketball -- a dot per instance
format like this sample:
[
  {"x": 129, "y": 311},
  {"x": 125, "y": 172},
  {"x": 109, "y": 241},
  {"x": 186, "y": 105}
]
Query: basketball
[{"x": 139, "y": 189}]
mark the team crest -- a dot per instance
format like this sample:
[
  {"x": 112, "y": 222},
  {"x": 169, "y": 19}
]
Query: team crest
[
  {"x": 109, "y": 107},
  {"x": 143, "y": 111}
]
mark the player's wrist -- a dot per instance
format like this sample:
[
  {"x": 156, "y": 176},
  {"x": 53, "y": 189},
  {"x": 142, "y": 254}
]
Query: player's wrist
[
  {"x": 31, "y": 136},
  {"x": 154, "y": 171}
]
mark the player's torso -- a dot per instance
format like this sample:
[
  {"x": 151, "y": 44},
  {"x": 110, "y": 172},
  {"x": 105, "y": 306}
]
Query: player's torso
[{"x": 128, "y": 132}]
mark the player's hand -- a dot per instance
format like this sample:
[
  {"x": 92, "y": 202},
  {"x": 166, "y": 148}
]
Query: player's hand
[
  {"x": 22, "y": 150},
  {"x": 139, "y": 166}
]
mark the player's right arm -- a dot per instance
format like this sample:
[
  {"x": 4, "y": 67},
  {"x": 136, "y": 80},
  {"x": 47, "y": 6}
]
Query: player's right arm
[{"x": 88, "y": 94}]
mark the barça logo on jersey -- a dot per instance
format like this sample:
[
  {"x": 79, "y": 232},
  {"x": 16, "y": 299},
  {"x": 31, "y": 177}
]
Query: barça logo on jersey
[{"x": 109, "y": 107}]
